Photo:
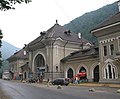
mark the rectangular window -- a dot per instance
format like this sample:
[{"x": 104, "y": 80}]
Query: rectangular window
[
  {"x": 111, "y": 49},
  {"x": 56, "y": 50},
  {"x": 105, "y": 50}
]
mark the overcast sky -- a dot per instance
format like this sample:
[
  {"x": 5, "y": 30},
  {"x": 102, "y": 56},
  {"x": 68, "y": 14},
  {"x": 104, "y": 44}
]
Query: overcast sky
[{"x": 24, "y": 24}]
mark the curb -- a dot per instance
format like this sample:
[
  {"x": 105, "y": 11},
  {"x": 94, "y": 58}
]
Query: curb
[
  {"x": 83, "y": 84},
  {"x": 96, "y": 85}
]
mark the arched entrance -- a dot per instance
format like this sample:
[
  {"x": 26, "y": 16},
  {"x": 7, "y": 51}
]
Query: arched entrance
[
  {"x": 96, "y": 74},
  {"x": 70, "y": 73},
  {"x": 39, "y": 64},
  {"x": 82, "y": 69},
  {"x": 82, "y": 73}
]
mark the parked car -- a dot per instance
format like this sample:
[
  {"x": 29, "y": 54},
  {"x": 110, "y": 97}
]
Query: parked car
[
  {"x": 6, "y": 75},
  {"x": 60, "y": 81}
]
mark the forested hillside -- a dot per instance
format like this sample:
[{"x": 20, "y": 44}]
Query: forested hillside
[
  {"x": 7, "y": 50},
  {"x": 85, "y": 23}
]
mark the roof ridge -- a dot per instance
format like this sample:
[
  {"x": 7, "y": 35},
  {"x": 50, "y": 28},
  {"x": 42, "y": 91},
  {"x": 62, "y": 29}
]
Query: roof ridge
[{"x": 52, "y": 29}]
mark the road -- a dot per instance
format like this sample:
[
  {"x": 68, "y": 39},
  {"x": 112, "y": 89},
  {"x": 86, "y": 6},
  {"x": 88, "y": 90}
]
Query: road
[{"x": 39, "y": 91}]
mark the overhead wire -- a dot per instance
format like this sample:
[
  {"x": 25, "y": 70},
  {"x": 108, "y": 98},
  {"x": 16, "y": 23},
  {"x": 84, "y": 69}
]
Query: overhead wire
[
  {"x": 65, "y": 13},
  {"x": 76, "y": 27}
]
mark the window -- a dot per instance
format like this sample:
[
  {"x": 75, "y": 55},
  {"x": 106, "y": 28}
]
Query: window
[
  {"x": 56, "y": 50},
  {"x": 70, "y": 73},
  {"x": 105, "y": 50},
  {"x": 113, "y": 73},
  {"x": 56, "y": 68},
  {"x": 106, "y": 73},
  {"x": 24, "y": 53},
  {"x": 111, "y": 49},
  {"x": 110, "y": 72}
]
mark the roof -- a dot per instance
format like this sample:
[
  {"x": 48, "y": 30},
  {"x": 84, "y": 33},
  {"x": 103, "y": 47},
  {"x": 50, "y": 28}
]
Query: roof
[
  {"x": 92, "y": 52},
  {"x": 112, "y": 20},
  {"x": 18, "y": 55},
  {"x": 57, "y": 31}
]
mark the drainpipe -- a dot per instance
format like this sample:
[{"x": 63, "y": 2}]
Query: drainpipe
[
  {"x": 64, "y": 56},
  {"x": 52, "y": 57},
  {"x": 64, "y": 47}
]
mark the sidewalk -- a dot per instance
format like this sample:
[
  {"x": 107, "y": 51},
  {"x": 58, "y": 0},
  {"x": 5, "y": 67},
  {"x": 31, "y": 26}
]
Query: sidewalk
[
  {"x": 81, "y": 84},
  {"x": 97, "y": 85},
  {"x": 84, "y": 84}
]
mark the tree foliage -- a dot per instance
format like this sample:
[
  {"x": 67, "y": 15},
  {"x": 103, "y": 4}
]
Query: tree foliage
[
  {"x": 88, "y": 21},
  {"x": 9, "y": 4}
]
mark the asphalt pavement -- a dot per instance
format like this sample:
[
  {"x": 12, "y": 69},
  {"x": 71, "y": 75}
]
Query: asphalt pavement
[
  {"x": 2, "y": 95},
  {"x": 24, "y": 90}
]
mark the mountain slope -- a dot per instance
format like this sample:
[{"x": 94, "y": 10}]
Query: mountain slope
[
  {"x": 7, "y": 50},
  {"x": 85, "y": 23}
]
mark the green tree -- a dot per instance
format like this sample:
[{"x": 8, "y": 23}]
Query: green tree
[{"x": 9, "y": 4}]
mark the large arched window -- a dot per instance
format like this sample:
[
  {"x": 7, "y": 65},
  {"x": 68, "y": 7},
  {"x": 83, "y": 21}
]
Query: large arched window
[
  {"x": 39, "y": 61},
  {"x": 70, "y": 73},
  {"x": 110, "y": 72},
  {"x": 39, "y": 64}
]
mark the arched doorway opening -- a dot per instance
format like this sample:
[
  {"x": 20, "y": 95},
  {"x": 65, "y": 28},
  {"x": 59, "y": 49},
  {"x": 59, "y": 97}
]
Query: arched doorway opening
[
  {"x": 70, "y": 73},
  {"x": 96, "y": 74},
  {"x": 82, "y": 73},
  {"x": 39, "y": 64},
  {"x": 82, "y": 69}
]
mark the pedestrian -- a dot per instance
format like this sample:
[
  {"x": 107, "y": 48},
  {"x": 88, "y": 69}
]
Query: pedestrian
[
  {"x": 48, "y": 81},
  {"x": 76, "y": 80}
]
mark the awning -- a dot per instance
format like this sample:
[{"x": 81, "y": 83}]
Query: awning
[{"x": 81, "y": 74}]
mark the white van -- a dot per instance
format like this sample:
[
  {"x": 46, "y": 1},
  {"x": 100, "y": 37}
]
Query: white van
[{"x": 6, "y": 75}]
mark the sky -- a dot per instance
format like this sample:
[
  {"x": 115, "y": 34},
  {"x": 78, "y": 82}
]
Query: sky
[{"x": 24, "y": 24}]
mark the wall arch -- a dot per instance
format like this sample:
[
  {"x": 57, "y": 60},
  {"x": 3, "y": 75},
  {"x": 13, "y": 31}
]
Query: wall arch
[
  {"x": 80, "y": 66},
  {"x": 96, "y": 74},
  {"x": 92, "y": 69},
  {"x": 109, "y": 71},
  {"x": 33, "y": 65},
  {"x": 66, "y": 71}
]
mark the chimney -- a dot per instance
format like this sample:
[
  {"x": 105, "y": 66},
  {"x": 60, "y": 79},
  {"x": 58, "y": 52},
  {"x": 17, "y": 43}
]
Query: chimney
[
  {"x": 79, "y": 35},
  {"x": 119, "y": 5},
  {"x": 56, "y": 21},
  {"x": 43, "y": 33},
  {"x": 24, "y": 53}
]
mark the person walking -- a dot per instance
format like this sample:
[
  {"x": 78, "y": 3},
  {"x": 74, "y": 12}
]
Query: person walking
[{"x": 48, "y": 81}]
